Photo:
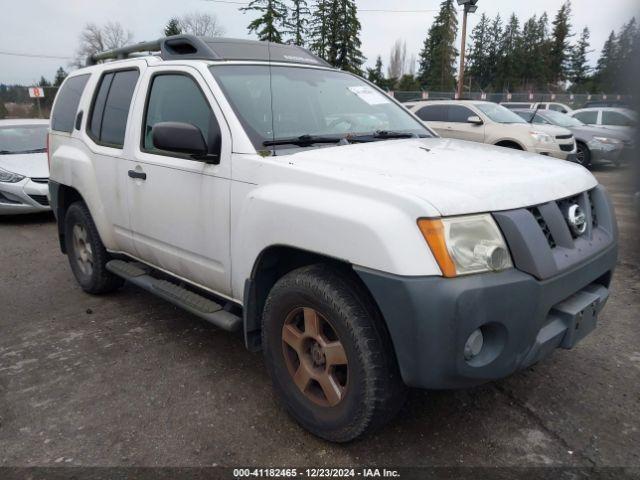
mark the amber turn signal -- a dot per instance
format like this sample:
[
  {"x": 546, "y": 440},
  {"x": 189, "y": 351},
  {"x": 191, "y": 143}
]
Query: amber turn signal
[{"x": 433, "y": 231}]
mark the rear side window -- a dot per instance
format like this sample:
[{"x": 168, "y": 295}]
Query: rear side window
[
  {"x": 433, "y": 113},
  {"x": 108, "y": 119},
  {"x": 177, "y": 98},
  {"x": 590, "y": 118},
  {"x": 459, "y": 114},
  {"x": 64, "y": 113}
]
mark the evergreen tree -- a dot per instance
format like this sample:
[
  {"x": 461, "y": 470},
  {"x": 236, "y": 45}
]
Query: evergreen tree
[
  {"x": 298, "y": 22},
  {"x": 479, "y": 70},
  {"x": 61, "y": 74},
  {"x": 508, "y": 67},
  {"x": 269, "y": 25},
  {"x": 543, "y": 50},
  {"x": 172, "y": 28},
  {"x": 375, "y": 75},
  {"x": 624, "y": 55},
  {"x": 438, "y": 56},
  {"x": 606, "y": 70},
  {"x": 43, "y": 82},
  {"x": 559, "y": 51},
  {"x": 321, "y": 27},
  {"x": 494, "y": 48},
  {"x": 408, "y": 83},
  {"x": 579, "y": 66},
  {"x": 3, "y": 110}
]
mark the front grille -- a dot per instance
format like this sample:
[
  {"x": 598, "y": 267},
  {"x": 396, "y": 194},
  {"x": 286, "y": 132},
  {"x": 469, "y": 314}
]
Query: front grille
[
  {"x": 41, "y": 199},
  {"x": 567, "y": 148},
  {"x": 40, "y": 180},
  {"x": 594, "y": 216},
  {"x": 543, "y": 226},
  {"x": 564, "y": 137}
]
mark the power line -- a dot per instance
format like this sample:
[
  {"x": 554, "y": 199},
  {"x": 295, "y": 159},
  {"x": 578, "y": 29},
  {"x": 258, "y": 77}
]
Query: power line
[{"x": 34, "y": 55}]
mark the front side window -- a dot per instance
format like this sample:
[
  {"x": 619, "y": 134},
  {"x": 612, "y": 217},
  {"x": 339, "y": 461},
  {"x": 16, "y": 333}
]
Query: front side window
[
  {"x": 23, "y": 139},
  {"x": 459, "y": 114},
  {"x": 616, "y": 119},
  {"x": 64, "y": 113},
  {"x": 108, "y": 118},
  {"x": 590, "y": 118},
  {"x": 278, "y": 102},
  {"x": 562, "y": 120},
  {"x": 177, "y": 98}
]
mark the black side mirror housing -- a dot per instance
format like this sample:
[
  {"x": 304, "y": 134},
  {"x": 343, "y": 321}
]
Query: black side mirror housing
[{"x": 182, "y": 137}]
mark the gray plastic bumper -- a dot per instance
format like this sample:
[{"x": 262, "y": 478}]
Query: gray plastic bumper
[{"x": 523, "y": 319}]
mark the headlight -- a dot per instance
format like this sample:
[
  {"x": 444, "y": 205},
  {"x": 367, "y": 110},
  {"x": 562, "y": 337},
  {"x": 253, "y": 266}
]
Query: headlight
[
  {"x": 465, "y": 245},
  {"x": 541, "y": 137},
  {"x": 609, "y": 141},
  {"x": 10, "y": 177}
]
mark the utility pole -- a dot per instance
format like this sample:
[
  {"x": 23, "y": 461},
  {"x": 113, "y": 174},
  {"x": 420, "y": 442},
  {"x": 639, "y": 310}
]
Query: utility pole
[{"x": 469, "y": 7}]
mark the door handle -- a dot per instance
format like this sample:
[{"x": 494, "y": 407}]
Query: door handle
[{"x": 138, "y": 175}]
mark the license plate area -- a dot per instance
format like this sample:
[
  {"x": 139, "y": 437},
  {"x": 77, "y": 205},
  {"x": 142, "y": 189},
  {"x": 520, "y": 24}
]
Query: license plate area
[{"x": 580, "y": 312}]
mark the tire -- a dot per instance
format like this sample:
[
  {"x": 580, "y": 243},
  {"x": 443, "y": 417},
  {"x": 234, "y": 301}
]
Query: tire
[
  {"x": 583, "y": 155},
  {"x": 371, "y": 390},
  {"x": 86, "y": 253}
]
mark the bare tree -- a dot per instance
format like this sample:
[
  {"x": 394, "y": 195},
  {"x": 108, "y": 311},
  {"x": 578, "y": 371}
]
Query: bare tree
[
  {"x": 201, "y": 24},
  {"x": 397, "y": 59},
  {"x": 411, "y": 67},
  {"x": 95, "y": 39}
]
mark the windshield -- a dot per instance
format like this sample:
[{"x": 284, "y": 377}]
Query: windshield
[
  {"x": 310, "y": 103},
  {"x": 498, "y": 113},
  {"x": 560, "y": 119},
  {"x": 23, "y": 139}
]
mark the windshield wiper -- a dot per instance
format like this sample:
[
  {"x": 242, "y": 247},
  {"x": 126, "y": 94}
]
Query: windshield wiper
[
  {"x": 16, "y": 152},
  {"x": 302, "y": 140},
  {"x": 381, "y": 135}
]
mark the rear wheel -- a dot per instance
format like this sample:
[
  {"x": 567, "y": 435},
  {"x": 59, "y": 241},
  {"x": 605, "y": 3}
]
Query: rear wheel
[
  {"x": 86, "y": 253},
  {"x": 328, "y": 354},
  {"x": 583, "y": 155}
]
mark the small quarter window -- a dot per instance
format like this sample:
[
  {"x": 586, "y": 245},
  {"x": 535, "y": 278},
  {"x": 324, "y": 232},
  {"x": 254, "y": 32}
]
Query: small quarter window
[{"x": 64, "y": 113}]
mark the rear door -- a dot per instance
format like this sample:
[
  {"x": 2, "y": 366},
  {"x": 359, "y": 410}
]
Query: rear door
[
  {"x": 435, "y": 117},
  {"x": 180, "y": 210},
  {"x": 459, "y": 127}
]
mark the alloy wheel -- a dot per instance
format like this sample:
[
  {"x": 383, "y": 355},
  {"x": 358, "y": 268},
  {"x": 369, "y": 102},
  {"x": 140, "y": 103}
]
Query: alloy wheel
[{"x": 82, "y": 249}]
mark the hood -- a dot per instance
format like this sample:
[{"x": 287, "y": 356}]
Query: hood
[
  {"x": 453, "y": 176},
  {"x": 32, "y": 165},
  {"x": 552, "y": 130}
]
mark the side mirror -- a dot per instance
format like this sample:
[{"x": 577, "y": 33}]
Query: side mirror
[
  {"x": 180, "y": 137},
  {"x": 475, "y": 120}
]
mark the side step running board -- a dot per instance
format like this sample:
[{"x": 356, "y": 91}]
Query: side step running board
[{"x": 192, "y": 302}]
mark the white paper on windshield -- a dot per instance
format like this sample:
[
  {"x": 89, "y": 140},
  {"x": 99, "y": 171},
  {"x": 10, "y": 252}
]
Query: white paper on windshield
[{"x": 369, "y": 95}]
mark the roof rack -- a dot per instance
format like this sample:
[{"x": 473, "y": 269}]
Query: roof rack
[{"x": 190, "y": 47}]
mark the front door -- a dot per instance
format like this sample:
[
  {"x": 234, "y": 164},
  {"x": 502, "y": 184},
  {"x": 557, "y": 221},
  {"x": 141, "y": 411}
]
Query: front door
[
  {"x": 459, "y": 127},
  {"x": 179, "y": 204}
]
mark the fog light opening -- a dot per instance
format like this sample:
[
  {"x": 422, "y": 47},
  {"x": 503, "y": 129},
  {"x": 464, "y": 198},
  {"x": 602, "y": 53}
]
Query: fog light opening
[{"x": 474, "y": 344}]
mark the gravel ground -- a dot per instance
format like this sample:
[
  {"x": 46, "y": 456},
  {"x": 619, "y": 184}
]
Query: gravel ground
[{"x": 126, "y": 379}]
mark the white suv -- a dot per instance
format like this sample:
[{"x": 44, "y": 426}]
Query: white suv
[{"x": 266, "y": 192}]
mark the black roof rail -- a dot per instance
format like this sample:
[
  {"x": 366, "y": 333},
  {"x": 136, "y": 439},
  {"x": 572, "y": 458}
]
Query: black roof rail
[{"x": 181, "y": 47}]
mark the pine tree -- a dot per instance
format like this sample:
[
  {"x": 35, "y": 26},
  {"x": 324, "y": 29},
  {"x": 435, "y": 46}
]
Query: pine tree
[
  {"x": 438, "y": 56},
  {"x": 321, "y": 27},
  {"x": 298, "y": 22},
  {"x": 579, "y": 66},
  {"x": 624, "y": 59},
  {"x": 493, "y": 49},
  {"x": 43, "y": 82},
  {"x": 607, "y": 68},
  {"x": 3, "y": 110},
  {"x": 478, "y": 69},
  {"x": 559, "y": 47},
  {"x": 269, "y": 25},
  {"x": 61, "y": 74},
  {"x": 375, "y": 75},
  {"x": 508, "y": 67},
  {"x": 172, "y": 28}
]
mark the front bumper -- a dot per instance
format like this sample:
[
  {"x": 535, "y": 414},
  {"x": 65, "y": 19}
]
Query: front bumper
[
  {"x": 26, "y": 196},
  {"x": 556, "y": 152},
  {"x": 523, "y": 319},
  {"x": 601, "y": 152}
]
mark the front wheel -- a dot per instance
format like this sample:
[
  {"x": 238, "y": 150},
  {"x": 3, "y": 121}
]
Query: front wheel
[
  {"x": 87, "y": 255},
  {"x": 328, "y": 354},
  {"x": 583, "y": 155}
]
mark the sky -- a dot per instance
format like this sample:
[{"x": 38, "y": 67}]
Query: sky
[{"x": 51, "y": 27}]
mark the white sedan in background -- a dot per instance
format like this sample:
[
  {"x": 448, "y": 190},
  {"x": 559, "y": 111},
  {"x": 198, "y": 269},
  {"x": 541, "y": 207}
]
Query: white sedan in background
[{"x": 24, "y": 169}]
